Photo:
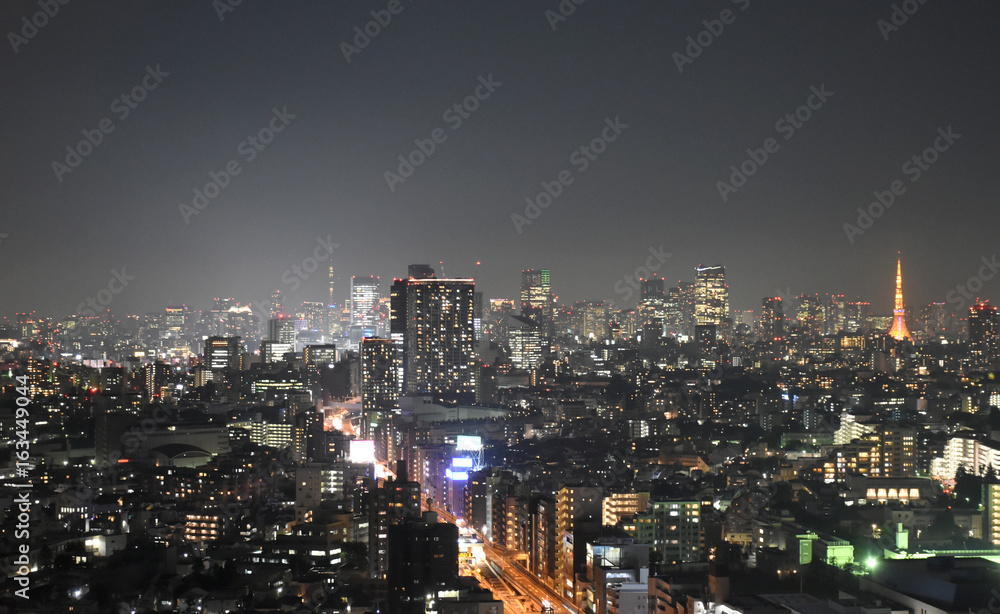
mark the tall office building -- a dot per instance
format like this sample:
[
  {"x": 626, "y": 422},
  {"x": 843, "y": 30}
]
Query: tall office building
[
  {"x": 712, "y": 297},
  {"x": 365, "y": 296},
  {"x": 282, "y": 330},
  {"x": 316, "y": 315},
  {"x": 433, "y": 321},
  {"x": 496, "y": 320},
  {"x": 277, "y": 305},
  {"x": 810, "y": 315},
  {"x": 173, "y": 332},
  {"x": 223, "y": 353},
  {"x": 590, "y": 320},
  {"x": 984, "y": 334},
  {"x": 652, "y": 288},
  {"x": 218, "y": 317},
  {"x": 898, "y": 330},
  {"x": 686, "y": 300},
  {"x": 653, "y": 305},
  {"x": 536, "y": 298},
  {"x": 674, "y": 318},
  {"x": 525, "y": 342}
]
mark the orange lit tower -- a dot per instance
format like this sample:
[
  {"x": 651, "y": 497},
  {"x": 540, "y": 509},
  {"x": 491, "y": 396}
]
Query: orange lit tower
[{"x": 898, "y": 330}]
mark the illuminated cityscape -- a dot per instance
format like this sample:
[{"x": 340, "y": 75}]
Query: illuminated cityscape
[{"x": 500, "y": 308}]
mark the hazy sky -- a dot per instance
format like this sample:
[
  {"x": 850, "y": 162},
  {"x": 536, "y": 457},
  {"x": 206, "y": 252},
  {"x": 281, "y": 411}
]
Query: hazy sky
[{"x": 680, "y": 121}]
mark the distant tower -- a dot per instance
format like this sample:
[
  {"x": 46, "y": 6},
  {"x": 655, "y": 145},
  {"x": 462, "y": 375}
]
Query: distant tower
[
  {"x": 898, "y": 330},
  {"x": 331, "y": 287}
]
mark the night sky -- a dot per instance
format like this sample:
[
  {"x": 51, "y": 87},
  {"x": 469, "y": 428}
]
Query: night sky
[{"x": 654, "y": 186}]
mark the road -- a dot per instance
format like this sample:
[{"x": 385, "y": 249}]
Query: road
[
  {"x": 532, "y": 595},
  {"x": 515, "y": 574}
]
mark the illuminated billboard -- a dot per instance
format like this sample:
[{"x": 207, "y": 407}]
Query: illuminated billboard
[
  {"x": 462, "y": 463},
  {"x": 362, "y": 451},
  {"x": 469, "y": 443}
]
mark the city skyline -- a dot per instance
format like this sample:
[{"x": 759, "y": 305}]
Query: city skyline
[{"x": 957, "y": 299}]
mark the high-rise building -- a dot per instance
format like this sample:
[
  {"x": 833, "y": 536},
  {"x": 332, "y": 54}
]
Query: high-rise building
[
  {"x": 434, "y": 317},
  {"x": 898, "y": 330},
  {"x": 320, "y": 355},
  {"x": 591, "y": 320},
  {"x": 379, "y": 381},
  {"x": 277, "y": 305},
  {"x": 674, "y": 318},
  {"x": 423, "y": 560},
  {"x": 652, "y": 288},
  {"x": 536, "y": 298},
  {"x": 991, "y": 513},
  {"x": 653, "y": 306},
  {"x": 478, "y": 314},
  {"x": 173, "y": 331},
  {"x": 282, "y": 330},
  {"x": 670, "y": 527},
  {"x": 712, "y": 297},
  {"x": 686, "y": 301},
  {"x": 390, "y": 503},
  {"x": 572, "y": 502},
  {"x": 984, "y": 334},
  {"x": 496, "y": 320},
  {"x": 218, "y": 317},
  {"x": 224, "y": 358},
  {"x": 524, "y": 337},
  {"x": 222, "y": 353},
  {"x": 365, "y": 314},
  {"x": 810, "y": 315},
  {"x": 772, "y": 319}
]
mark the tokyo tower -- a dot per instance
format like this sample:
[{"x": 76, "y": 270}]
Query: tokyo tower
[{"x": 898, "y": 330}]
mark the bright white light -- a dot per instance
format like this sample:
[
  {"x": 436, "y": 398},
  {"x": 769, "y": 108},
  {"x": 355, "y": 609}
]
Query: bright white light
[
  {"x": 471, "y": 443},
  {"x": 362, "y": 451}
]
